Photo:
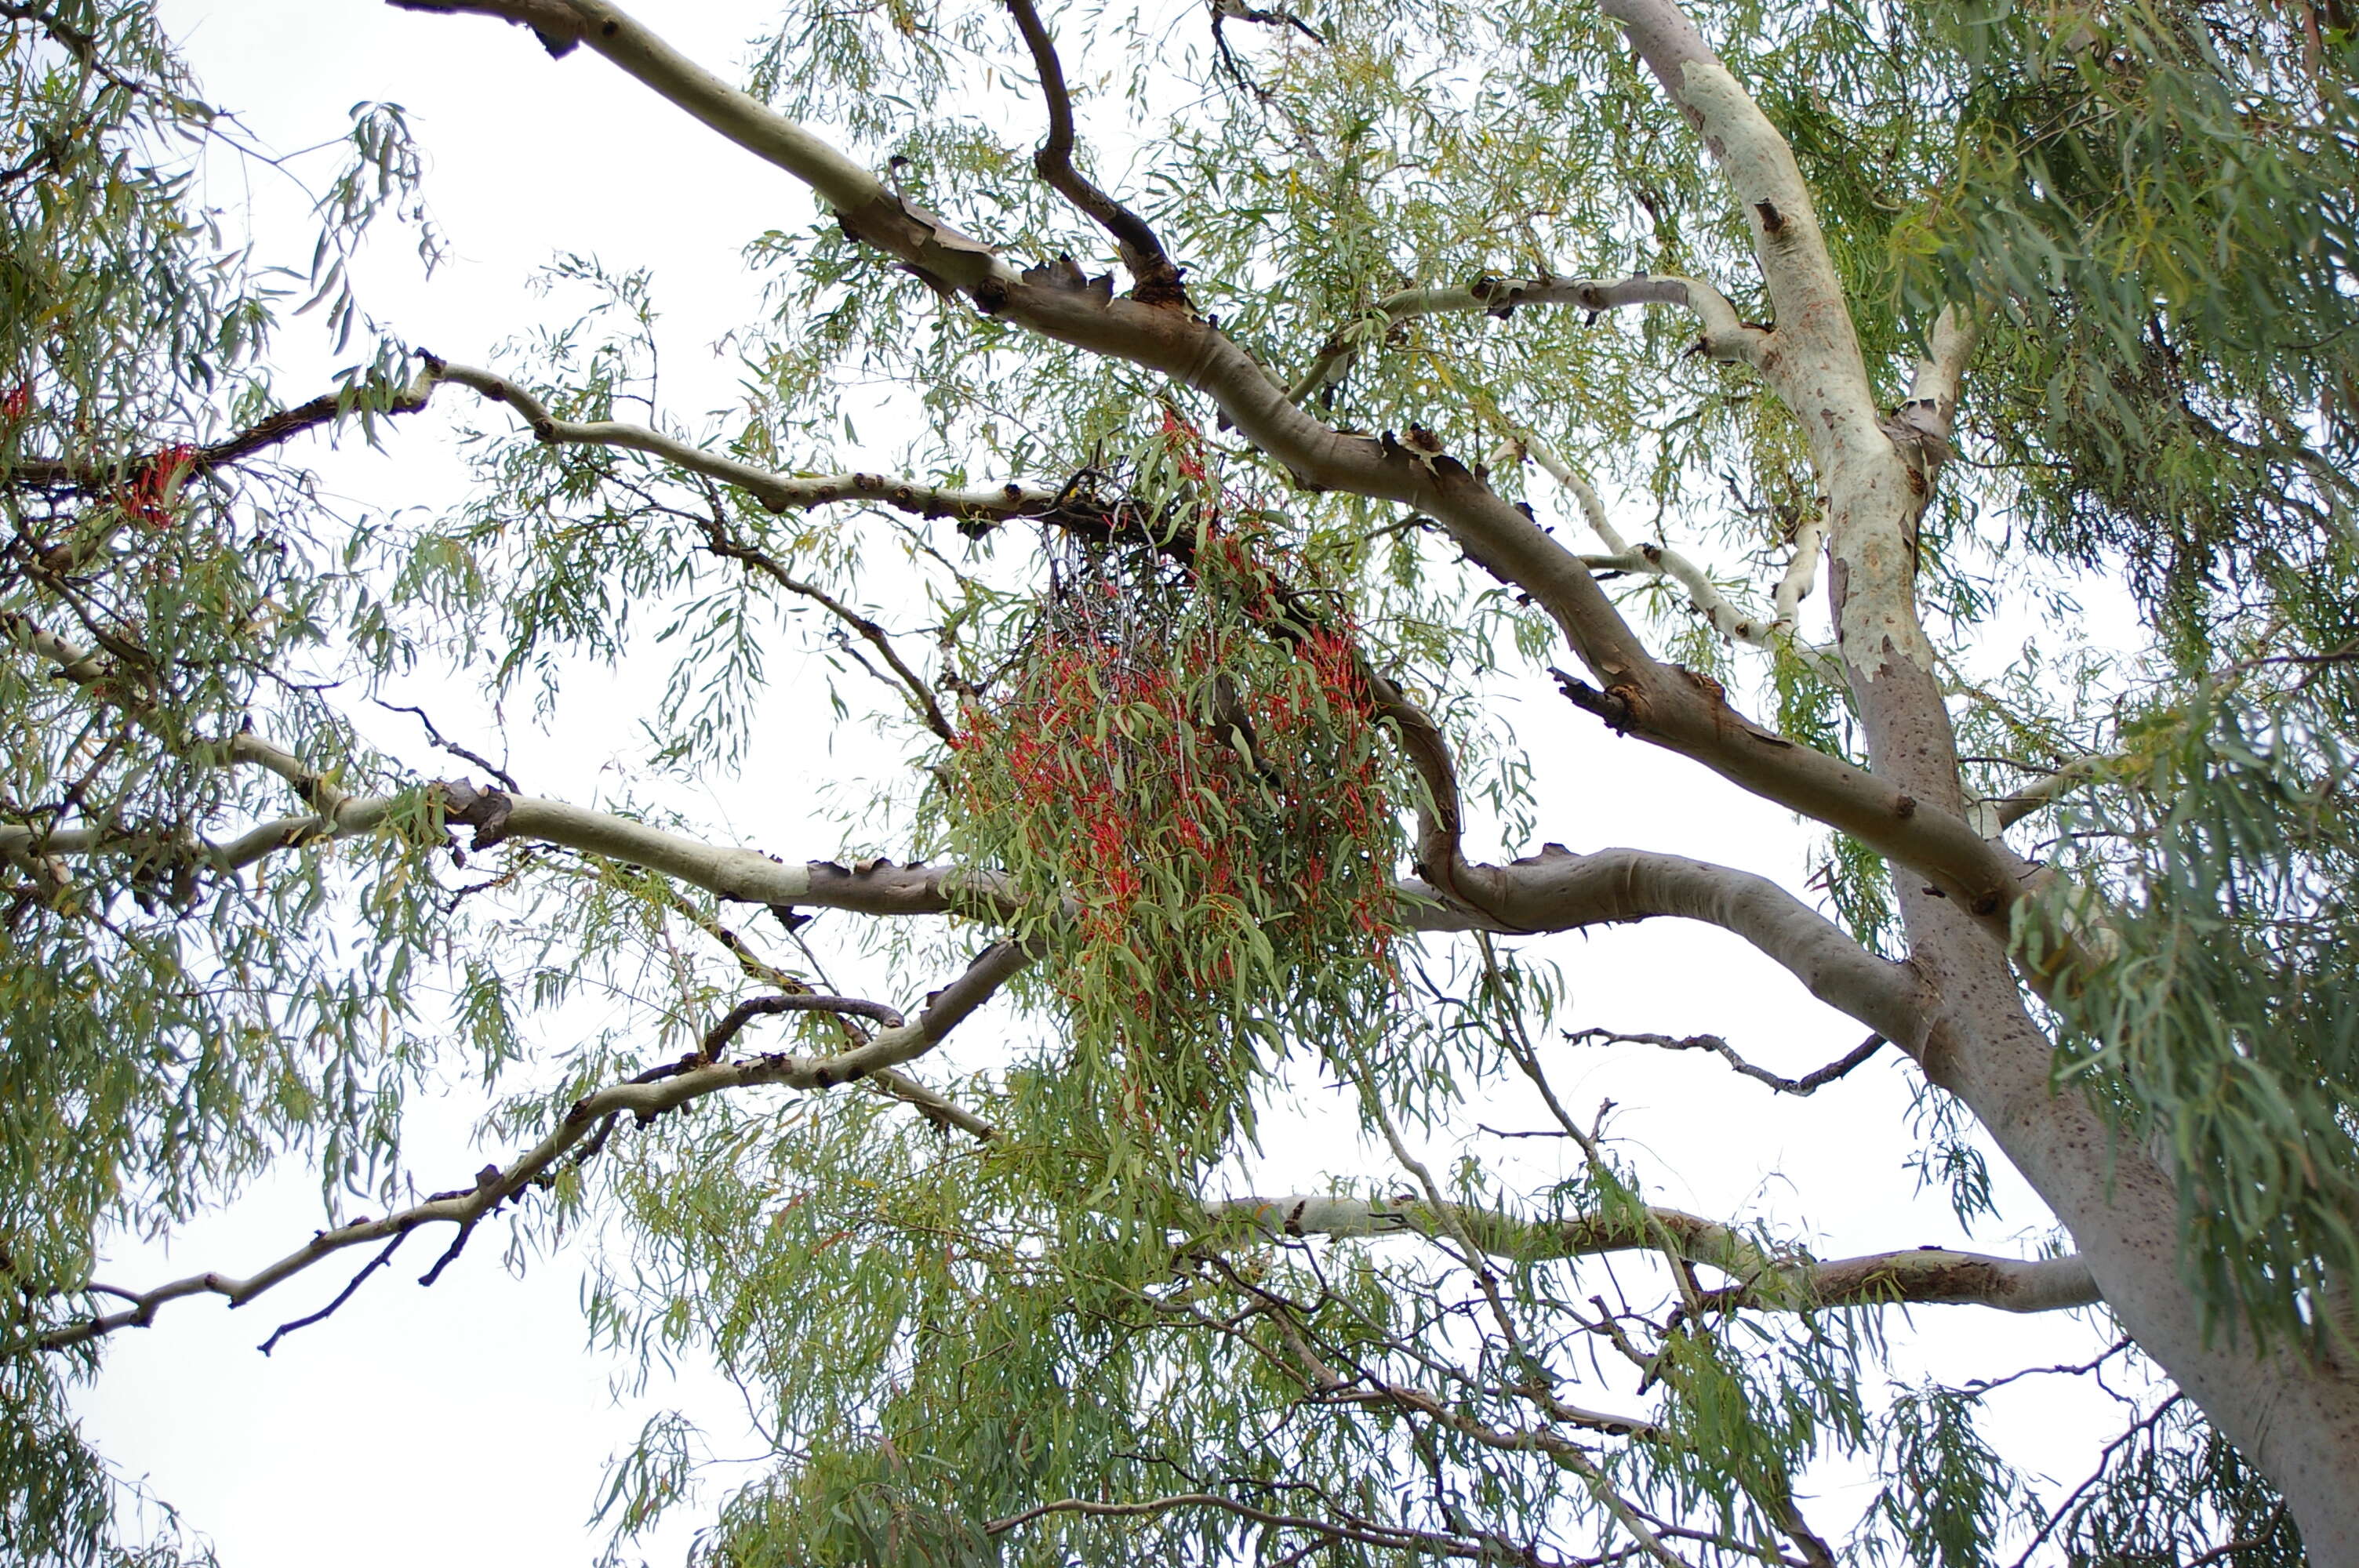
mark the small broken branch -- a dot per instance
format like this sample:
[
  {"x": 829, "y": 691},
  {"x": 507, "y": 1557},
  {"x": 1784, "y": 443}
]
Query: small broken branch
[{"x": 1808, "y": 1084}]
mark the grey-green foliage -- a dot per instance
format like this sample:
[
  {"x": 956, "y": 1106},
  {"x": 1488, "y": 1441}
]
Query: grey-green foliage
[
  {"x": 167, "y": 1027},
  {"x": 2149, "y": 204},
  {"x": 2221, "y": 1025}
]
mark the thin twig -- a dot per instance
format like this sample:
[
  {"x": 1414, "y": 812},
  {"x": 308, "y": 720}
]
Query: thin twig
[
  {"x": 452, "y": 747},
  {"x": 371, "y": 1267},
  {"x": 1809, "y": 1082}
]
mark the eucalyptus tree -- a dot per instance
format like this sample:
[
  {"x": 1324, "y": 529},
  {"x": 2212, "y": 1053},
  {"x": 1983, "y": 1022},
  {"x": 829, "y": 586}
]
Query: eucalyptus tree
[{"x": 1219, "y": 539}]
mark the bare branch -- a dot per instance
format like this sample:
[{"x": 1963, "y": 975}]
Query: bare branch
[
  {"x": 350, "y": 1290},
  {"x": 452, "y": 747},
  {"x": 1724, "y": 337},
  {"x": 1765, "y": 1281},
  {"x": 1156, "y": 281},
  {"x": 1808, "y": 1084},
  {"x": 650, "y": 1096},
  {"x": 1932, "y": 405},
  {"x": 775, "y": 491}
]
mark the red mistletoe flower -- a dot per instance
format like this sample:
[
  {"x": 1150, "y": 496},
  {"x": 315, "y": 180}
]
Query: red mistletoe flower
[{"x": 155, "y": 484}]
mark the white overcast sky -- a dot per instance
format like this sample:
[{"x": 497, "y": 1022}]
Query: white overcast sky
[{"x": 468, "y": 1423}]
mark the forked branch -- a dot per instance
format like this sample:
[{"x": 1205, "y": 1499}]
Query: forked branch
[{"x": 649, "y": 1096}]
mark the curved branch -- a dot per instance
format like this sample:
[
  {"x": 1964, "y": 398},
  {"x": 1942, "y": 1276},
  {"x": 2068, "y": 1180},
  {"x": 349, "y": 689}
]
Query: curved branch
[
  {"x": 1156, "y": 281},
  {"x": 1767, "y": 1280},
  {"x": 745, "y": 1012},
  {"x": 775, "y": 491},
  {"x": 1724, "y": 337},
  {"x": 644, "y": 1099},
  {"x": 1657, "y": 702},
  {"x": 1560, "y": 891},
  {"x": 920, "y": 695}
]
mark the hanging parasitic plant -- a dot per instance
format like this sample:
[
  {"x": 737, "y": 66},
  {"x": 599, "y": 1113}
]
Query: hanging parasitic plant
[{"x": 1183, "y": 774}]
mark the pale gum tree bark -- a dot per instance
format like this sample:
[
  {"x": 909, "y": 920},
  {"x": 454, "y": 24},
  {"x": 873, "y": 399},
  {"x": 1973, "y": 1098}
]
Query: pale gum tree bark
[
  {"x": 2294, "y": 1417},
  {"x": 1964, "y": 1016}
]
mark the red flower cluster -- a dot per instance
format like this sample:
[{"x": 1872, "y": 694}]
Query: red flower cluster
[
  {"x": 16, "y": 402},
  {"x": 1208, "y": 884},
  {"x": 147, "y": 499}
]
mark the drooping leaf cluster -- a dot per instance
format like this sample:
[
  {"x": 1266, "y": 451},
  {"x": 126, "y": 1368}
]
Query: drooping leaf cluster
[
  {"x": 2218, "y": 1023},
  {"x": 170, "y": 1020},
  {"x": 1183, "y": 777}
]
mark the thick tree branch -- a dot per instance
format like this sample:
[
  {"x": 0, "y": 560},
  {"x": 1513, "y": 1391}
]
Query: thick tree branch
[
  {"x": 1813, "y": 361},
  {"x": 649, "y": 1096},
  {"x": 552, "y": 21},
  {"x": 1661, "y": 703},
  {"x": 1765, "y": 1281},
  {"x": 1724, "y": 336}
]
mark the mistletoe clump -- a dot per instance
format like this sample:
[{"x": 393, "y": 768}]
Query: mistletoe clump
[{"x": 1183, "y": 775}]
